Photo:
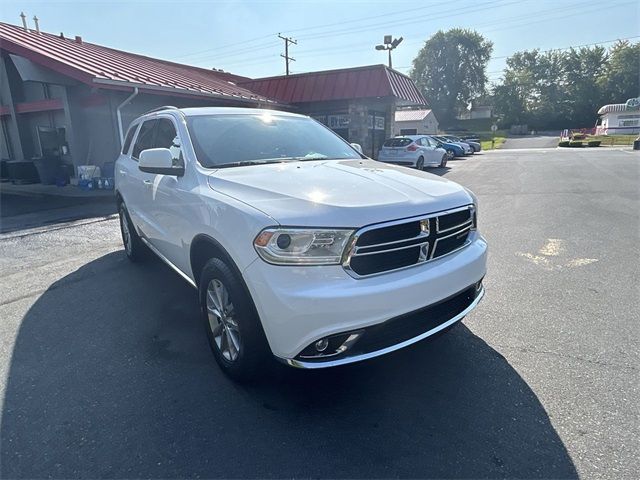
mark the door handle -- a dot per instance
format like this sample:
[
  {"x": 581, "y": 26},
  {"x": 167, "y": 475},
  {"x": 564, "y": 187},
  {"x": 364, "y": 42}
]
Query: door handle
[
  {"x": 122, "y": 172},
  {"x": 147, "y": 182}
]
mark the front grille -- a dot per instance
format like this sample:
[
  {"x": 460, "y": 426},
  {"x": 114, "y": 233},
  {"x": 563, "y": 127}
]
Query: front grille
[{"x": 401, "y": 244}]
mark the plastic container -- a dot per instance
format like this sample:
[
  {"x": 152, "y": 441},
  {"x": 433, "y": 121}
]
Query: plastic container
[
  {"x": 87, "y": 172},
  {"x": 47, "y": 169}
]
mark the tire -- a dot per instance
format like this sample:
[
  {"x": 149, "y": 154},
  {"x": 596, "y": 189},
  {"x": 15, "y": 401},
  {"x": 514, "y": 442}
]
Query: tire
[
  {"x": 236, "y": 337},
  {"x": 451, "y": 153},
  {"x": 134, "y": 248},
  {"x": 420, "y": 163},
  {"x": 443, "y": 161}
]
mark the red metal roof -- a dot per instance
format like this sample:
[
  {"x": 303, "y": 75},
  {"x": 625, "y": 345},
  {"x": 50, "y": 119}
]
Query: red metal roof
[
  {"x": 360, "y": 82},
  {"x": 110, "y": 68}
]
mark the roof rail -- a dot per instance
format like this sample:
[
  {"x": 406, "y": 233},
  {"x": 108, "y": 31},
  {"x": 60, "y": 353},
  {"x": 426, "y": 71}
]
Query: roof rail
[{"x": 159, "y": 109}]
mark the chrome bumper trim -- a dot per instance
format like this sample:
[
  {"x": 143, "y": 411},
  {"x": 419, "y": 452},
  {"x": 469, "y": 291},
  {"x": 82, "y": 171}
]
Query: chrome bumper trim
[{"x": 366, "y": 356}]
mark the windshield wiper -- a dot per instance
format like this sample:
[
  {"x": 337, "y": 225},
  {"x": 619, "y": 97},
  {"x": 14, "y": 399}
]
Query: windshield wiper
[{"x": 246, "y": 163}]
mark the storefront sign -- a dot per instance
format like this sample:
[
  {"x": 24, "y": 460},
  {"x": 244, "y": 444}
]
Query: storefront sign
[
  {"x": 633, "y": 103},
  {"x": 375, "y": 122},
  {"x": 338, "y": 121}
]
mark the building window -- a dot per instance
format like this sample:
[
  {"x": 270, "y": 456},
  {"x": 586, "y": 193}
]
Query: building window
[{"x": 408, "y": 131}]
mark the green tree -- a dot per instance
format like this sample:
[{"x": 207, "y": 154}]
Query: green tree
[
  {"x": 532, "y": 90},
  {"x": 565, "y": 89},
  {"x": 583, "y": 73},
  {"x": 450, "y": 70},
  {"x": 621, "y": 77}
]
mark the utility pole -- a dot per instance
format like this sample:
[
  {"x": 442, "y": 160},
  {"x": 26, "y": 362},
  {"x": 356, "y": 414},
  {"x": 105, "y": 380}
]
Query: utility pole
[{"x": 287, "y": 58}]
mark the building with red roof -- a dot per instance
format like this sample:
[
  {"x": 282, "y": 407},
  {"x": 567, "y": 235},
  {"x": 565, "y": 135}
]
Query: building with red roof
[{"x": 72, "y": 99}]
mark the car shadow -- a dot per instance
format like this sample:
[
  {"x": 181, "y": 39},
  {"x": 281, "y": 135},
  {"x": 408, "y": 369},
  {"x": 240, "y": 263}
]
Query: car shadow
[{"x": 111, "y": 376}]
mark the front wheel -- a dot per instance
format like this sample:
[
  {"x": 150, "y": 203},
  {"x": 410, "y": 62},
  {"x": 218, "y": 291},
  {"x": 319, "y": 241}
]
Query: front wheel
[
  {"x": 420, "y": 163},
  {"x": 234, "y": 331},
  {"x": 450, "y": 153}
]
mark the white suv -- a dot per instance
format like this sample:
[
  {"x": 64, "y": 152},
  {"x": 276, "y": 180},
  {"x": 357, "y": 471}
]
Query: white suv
[{"x": 300, "y": 246}]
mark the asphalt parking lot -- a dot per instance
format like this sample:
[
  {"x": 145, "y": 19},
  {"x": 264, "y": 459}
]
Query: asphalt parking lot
[{"x": 105, "y": 370}]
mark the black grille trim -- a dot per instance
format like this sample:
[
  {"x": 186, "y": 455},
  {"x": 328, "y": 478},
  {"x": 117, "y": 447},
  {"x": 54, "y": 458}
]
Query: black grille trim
[{"x": 404, "y": 243}]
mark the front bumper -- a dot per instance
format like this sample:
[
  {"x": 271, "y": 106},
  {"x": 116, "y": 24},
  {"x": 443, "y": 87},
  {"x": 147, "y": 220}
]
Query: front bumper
[{"x": 300, "y": 305}]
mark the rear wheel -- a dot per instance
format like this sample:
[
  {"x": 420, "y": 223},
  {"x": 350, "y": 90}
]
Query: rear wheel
[
  {"x": 234, "y": 331},
  {"x": 133, "y": 246},
  {"x": 420, "y": 163},
  {"x": 443, "y": 161}
]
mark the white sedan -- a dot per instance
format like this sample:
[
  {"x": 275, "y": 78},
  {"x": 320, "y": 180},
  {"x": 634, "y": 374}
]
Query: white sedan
[{"x": 417, "y": 151}]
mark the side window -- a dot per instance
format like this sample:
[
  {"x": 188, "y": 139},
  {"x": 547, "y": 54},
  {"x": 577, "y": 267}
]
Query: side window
[
  {"x": 128, "y": 138},
  {"x": 167, "y": 137},
  {"x": 427, "y": 142},
  {"x": 145, "y": 138}
]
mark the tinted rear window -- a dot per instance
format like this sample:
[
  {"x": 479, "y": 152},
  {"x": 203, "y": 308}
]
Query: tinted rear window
[{"x": 397, "y": 142}]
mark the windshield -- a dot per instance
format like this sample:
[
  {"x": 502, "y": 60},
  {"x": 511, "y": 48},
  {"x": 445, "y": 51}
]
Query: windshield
[{"x": 238, "y": 140}]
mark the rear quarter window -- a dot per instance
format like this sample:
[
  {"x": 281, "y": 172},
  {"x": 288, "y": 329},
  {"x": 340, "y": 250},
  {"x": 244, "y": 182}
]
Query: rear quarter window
[{"x": 397, "y": 142}]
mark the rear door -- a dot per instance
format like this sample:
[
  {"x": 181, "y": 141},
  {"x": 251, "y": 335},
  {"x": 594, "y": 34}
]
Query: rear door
[
  {"x": 139, "y": 182},
  {"x": 431, "y": 156}
]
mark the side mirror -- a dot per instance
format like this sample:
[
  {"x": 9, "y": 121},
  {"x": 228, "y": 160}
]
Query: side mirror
[
  {"x": 159, "y": 161},
  {"x": 439, "y": 145},
  {"x": 357, "y": 147}
]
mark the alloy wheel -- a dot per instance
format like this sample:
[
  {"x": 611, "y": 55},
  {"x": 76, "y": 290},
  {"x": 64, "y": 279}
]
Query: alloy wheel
[{"x": 222, "y": 321}]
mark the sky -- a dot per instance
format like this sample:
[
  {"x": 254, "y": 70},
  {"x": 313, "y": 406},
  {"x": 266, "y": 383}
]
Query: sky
[{"x": 240, "y": 36}]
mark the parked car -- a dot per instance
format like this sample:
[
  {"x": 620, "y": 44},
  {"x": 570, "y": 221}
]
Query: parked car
[
  {"x": 417, "y": 151},
  {"x": 453, "y": 149},
  {"x": 300, "y": 247},
  {"x": 475, "y": 145},
  {"x": 466, "y": 148}
]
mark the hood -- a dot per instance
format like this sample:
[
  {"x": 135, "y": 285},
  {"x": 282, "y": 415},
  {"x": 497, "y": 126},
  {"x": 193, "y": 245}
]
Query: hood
[{"x": 338, "y": 193}]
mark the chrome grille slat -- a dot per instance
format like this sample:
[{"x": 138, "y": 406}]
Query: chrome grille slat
[
  {"x": 357, "y": 249},
  {"x": 432, "y": 243},
  {"x": 378, "y": 252}
]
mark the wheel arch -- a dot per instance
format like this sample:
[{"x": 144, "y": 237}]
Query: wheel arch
[{"x": 203, "y": 247}]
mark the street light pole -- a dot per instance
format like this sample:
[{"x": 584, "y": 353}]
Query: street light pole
[{"x": 389, "y": 45}]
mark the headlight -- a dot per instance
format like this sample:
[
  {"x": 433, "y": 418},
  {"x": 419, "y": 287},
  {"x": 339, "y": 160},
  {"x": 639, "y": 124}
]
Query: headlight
[{"x": 302, "y": 246}]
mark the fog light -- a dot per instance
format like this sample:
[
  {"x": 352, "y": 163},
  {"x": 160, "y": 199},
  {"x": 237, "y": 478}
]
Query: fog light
[{"x": 322, "y": 344}]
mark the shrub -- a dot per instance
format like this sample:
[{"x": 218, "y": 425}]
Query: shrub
[
  {"x": 564, "y": 143},
  {"x": 575, "y": 144},
  {"x": 594, "y": 143}
]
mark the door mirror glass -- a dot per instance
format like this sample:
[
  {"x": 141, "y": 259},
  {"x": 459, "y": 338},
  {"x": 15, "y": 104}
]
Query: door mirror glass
[{"x": 159, "y": 161}]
